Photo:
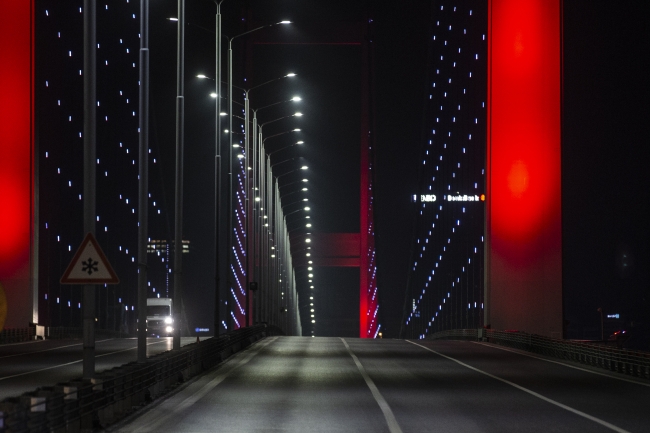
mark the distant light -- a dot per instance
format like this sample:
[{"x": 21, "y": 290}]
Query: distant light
[
  {"x": 240, "y": 156},
  {"x": 311, "y": 275},
  {"x": 222, "y": 114},
  {"x": 285, "y": 22},
  {"x": 307, "y": 225},
  {"x": 307, "y": 208},
  {"x": 307, "y": 240},
  {"x": 305, "y": 199},
  {"x": 290, "y": 74},
  {"x": 236, "y": 145},
  {"x": 257, "y": 199},
  {"x": 304, "y": 189},
  {"x": 298, "y": 114},
  {"x": 214, "y": 95},
  {"x": 299, "y": 142},
  {"x": 304, "y": 167},
  {"x": 172, "y": 19},
  {"x": 296, "y": 130},
  {"x": 296, "y": 98},
  {"x": 201, "y": 76}
]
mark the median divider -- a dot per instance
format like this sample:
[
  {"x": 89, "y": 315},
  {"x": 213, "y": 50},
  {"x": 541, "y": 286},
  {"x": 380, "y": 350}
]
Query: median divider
[{"x": 84, "y": 405}]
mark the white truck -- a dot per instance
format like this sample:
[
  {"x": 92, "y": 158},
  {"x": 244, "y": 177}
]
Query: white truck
[{"x": 160, "y": 322}]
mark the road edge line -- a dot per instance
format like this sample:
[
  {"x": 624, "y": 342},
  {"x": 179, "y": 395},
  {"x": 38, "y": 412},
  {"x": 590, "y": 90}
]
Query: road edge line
[{"x": 526, "y": 390}]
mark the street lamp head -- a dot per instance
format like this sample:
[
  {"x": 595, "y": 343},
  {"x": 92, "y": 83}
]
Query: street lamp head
[
  {"x": 299, "y": 142},
  {"x": 223, "y": 114},
  {"x": 307, "y": 208},
  {"x": 304, "y": 189},
  {"x": 296, "y": 99},
  {"x": 305, "y": 180},
  {"x": 172, "y": 19},
  {"x": 290, "y": 74},
  {"x": 304, "y": 167},
  {"x": 296, "y": 130},
  {"x": 201, "y": 76},
  {"x": 298, "y": 114},
  {"x": 285, "y": 22}
]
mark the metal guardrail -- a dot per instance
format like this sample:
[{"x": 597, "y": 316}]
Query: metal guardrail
[
  {"x": 17, "y": 335},
  {"x": 20, "y": 335},
  {"x": 610, "y": 358},
  {"x": 83, "y": 405}
]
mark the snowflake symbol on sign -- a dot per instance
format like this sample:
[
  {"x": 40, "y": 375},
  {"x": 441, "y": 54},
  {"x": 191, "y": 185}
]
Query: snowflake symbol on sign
[{"x": 89, "y": 266}]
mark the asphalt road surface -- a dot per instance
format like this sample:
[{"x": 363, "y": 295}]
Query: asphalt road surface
[
  {"x": 299, "y": 384},
  {"x": 26, "y": 366}
]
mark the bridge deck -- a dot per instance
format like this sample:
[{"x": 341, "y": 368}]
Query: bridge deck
[{"x": 298, "y": 384}]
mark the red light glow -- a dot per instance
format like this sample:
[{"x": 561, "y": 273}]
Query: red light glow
[
  {"x": 524, "y": 162},
  {"x": 16, "y": 146}
]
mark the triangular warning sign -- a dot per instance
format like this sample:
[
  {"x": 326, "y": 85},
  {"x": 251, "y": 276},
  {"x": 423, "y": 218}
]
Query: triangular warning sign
[{"x": 89, "y": 265}]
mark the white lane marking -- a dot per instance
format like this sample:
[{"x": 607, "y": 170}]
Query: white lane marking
[
  {"x": 533, "y": 393},
  {"x": 153, "y": 420},
  {"x": 73, "y": 362},
  {"x": 393, "y": 426},
  {"x": 561, "y": 363},
  {"x": 48, "y": 350}
]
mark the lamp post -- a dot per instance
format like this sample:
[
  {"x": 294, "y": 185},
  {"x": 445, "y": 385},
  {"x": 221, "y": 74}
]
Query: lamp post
[
  {"x": 286, "y": 147},
  {"x": 143, "y": 180},
  {"x": 230, "y": 116},
  {"x": 217, "y": 172},
  {"x": 251, "y": 152},
  {"x": 178, "y": 223}
]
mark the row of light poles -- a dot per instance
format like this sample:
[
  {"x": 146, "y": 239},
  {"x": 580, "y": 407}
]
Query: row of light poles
[{"x": 268, "y": 263}]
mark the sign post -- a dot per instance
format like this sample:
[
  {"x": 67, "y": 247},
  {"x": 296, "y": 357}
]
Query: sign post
[{"x": 88, "y": 267}]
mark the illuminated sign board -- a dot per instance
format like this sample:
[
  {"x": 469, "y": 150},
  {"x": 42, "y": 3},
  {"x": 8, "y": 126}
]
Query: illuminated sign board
[
  {"x": 430, "y": 198},
  {"x": 613, "y": 316}
]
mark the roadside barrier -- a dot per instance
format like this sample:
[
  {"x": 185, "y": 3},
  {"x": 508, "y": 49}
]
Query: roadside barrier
[
  {"x": 17, "y": 335},
  {"x": 83, "y": 405},
  {"x": 603, "y": 356}
]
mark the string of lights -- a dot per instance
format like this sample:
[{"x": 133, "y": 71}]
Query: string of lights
[
  {"x": 446, "y": 274},
  {"x": 59, "y": 111}
]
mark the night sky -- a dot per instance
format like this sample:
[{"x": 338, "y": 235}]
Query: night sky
[
  {"x": 605, "y": 130},
  {"x": 605, "y": 127}
]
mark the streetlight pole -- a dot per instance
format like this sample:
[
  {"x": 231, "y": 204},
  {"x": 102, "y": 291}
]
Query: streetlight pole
[
  {"x": 230, "y": 165},
  {"x": 143, "y": 182},
  {"x": 178, "y": 223},
  {"x": 89, "y": 208},
  {"x": 217, "y": 175}
]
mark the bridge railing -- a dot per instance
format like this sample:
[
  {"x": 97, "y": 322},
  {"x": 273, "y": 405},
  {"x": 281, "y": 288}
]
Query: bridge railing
[
  {"x": 30, "y": 333},
  {"x": 87, "y": 404},
  {"x": 610, "y": 358},
  {"x": 17, "y": 335}
]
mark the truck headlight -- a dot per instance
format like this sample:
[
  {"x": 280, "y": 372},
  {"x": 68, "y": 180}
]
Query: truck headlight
[
  {"x": 169, "y": 329},
  {"x": 168, "y": 320}
]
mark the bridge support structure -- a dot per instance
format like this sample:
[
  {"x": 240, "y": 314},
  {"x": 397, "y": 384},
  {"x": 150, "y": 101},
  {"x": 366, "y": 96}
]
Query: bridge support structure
[
  {"x": 17, "y": 160},
  {"x": 523, "y": 167}
]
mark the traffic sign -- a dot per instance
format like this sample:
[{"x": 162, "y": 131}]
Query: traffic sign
[{"x": 89, "y": 265}]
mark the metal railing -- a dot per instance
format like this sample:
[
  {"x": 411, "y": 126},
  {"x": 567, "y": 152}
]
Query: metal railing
[
  {"x": 87, "y": 404},
  {"x": 17, "y": 335},
  {"x": 610, "y": 358}
]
